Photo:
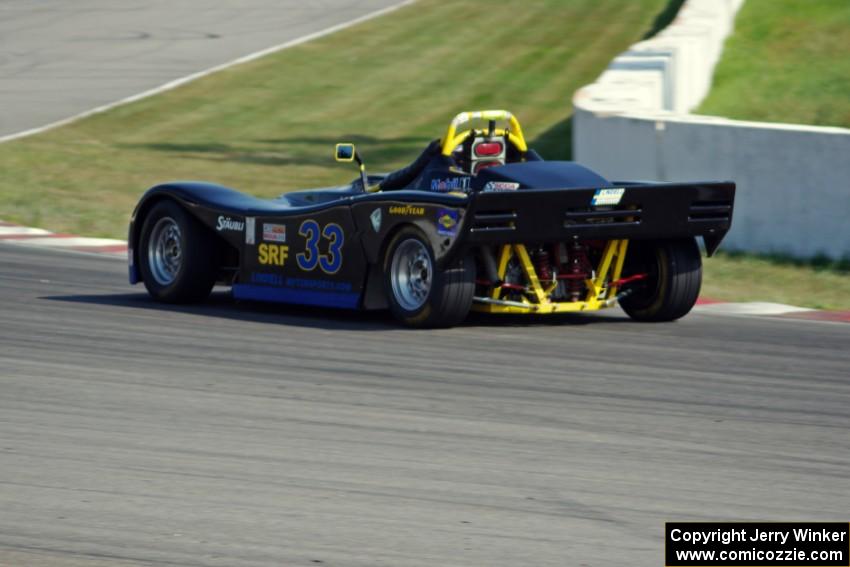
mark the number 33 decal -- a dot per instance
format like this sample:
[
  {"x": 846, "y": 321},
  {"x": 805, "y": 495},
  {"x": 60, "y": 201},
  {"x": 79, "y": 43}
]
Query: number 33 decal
[{"x": 331, "y": 262}]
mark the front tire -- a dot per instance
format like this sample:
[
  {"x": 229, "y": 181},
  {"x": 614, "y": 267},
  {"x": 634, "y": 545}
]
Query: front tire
[
  {"x": 674, "y": 278},
  {"x": 418, "y": 294},
  {"x": 177, "y": 256}
]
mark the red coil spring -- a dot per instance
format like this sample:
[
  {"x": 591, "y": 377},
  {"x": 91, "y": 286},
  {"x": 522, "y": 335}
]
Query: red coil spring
[
  {"x": 579, "y": 270},
  {"x": 543, "y": 265}
]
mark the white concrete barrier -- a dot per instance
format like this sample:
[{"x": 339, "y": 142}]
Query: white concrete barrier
[{"x": 632, "y": 123}]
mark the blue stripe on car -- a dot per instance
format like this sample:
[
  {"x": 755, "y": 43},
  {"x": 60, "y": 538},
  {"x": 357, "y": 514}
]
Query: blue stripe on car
[{"x": 345, "y": 300}]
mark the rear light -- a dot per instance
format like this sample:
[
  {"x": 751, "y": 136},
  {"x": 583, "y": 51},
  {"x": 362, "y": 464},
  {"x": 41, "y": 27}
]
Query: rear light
[
  {"x": 485, "y": 164},
  {"x": 485, "y": 149}
]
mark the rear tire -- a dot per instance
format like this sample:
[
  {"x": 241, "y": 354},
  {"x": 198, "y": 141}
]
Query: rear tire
[
  {"x": 674, "y": 269},
  {"x": 177, "y": 255},
  {"x": 418, "y": 294}
]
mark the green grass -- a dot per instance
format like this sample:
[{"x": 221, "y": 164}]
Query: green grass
[
  {"x": 266, "y": 127},
  {"x": 818, "y": 283},
  {"x": 787, "y": 61}
]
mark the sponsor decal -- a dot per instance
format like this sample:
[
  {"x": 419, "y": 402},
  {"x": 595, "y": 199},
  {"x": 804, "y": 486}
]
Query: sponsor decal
[
  {"x": 447, "y": 221},
  {"x": 407, "y": 210},
  {"x": 267, "y": 279},
  {"x": 278, "y": 280},
  {"x": 274, "y": 232},
  {"x": 450, "y": 184},
  {"x": 604, "y": 197},
  {"x": 501, "y": 186},
  {"x": 250, "y": 230},
  {"x": 319, "y": 285},
  {"x": 227, "y": 223},
  {"x": 272, "y": 254},
  {"x": 375, "y": 217}
]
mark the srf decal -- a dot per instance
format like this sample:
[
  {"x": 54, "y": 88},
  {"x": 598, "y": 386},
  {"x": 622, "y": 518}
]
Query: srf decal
[{"x": 272, "y": 254}]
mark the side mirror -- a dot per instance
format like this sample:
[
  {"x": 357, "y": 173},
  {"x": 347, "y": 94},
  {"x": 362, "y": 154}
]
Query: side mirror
[{"x": 345, "y": 152}]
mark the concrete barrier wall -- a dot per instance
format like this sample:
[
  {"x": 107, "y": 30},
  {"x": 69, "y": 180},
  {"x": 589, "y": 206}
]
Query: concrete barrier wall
[{"x": 793, "y": 181}]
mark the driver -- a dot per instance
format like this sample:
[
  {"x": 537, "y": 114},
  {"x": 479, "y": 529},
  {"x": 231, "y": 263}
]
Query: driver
[{"x": 401, "y": 178}]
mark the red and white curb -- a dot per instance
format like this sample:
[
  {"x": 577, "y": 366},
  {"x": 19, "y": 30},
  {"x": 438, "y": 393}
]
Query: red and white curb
[
  {"x": 26, "y": 236},
  {"x": 766, "y": 309},
  {"x": 38, "y": 237}
]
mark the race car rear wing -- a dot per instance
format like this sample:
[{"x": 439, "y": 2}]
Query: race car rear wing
[{"x": 628, "y": 210}]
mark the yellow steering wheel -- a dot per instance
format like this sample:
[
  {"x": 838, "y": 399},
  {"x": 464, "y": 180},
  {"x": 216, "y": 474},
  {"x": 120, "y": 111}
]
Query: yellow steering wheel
[{"x": 513, "y": 132}]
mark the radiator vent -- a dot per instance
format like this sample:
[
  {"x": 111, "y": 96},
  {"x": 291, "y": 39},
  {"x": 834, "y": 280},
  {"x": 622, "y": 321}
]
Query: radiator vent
[
  {"x": 494, "y": 221},
  {"x": 595, "y": 216},
  {"x": 710, "y": 211}
]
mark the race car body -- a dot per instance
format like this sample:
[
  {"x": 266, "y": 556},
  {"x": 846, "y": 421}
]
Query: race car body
[{"x": 478, "y": 221}]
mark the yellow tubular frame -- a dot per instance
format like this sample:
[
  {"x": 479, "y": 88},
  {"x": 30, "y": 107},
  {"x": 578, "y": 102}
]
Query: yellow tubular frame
[
  {"x": 535, "y": 298},
  {"x": 453, "y": 138}
]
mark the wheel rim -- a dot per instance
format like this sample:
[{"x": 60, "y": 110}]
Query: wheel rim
[
  {"x": 411, "y": 274},
  {"x": 165, "y": 251}
]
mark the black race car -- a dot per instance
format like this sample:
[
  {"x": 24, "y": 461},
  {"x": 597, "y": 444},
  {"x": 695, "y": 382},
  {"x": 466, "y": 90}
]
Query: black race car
[{"x": 478, "y": 221}]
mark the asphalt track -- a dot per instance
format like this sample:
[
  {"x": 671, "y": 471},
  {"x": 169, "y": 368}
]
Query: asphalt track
[
  {"x": 60, "y": 58},
  {"x": 242, "y": 435}
]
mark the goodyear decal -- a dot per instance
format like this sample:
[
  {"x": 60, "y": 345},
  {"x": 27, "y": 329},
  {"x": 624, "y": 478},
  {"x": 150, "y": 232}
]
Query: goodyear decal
[
  {"x": 447, "y": 222},
  {"x": 407, "y": 211}
]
